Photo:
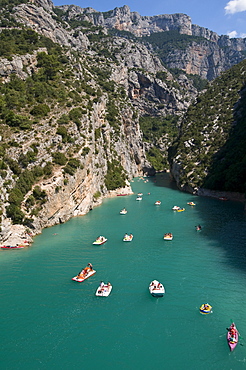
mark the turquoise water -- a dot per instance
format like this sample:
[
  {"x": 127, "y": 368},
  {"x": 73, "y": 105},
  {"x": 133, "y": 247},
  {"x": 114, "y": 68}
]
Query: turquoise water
[{"x": 49, "y": 321}]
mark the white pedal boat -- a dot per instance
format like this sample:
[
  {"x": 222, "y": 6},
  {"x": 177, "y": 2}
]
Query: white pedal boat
[
  {"x": 127, "y": 238},
  {"x": 100, "y": 240},
  {"x": 156, "y": 289},
  {"x": 123, "y": 211},
  {"x": 103, "y": 290},
  {"x": 168, "y": 236}
]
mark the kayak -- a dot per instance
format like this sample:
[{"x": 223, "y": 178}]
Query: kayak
[{"x": 232, "y": 337}]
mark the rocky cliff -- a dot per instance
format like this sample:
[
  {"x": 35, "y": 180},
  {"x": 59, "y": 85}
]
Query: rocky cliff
[
  {"x": 206, "y": 54},
  {"x": 71, "y": 136},
  {"x": 73, "y": 97}
]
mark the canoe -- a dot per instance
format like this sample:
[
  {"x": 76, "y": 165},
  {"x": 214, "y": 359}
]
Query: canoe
[
  {"x": 84, "y": 274},
  {"x": 232, "y": 337},
  {"x": 103, "y": 290},
  {"x": 100, "y": 240},
  {"x": 156, "y": 289}
]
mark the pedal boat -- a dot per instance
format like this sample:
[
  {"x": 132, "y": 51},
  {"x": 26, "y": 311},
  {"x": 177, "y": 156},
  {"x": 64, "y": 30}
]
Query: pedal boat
[
  {"x": 84, "y": 274},
  {"x": 100, "y": 240},
  {"x": 103, "y": 290},
  {"x": 128, "y": 238},
  {"x": 168, "y": 236},
  {"x": 156, "y": 289}
]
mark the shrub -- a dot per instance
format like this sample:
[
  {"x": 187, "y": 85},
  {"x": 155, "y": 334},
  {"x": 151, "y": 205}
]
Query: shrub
[
  {"x": 97, "y": 195},
  {"x": 59, "y": 158},
  {"x": 40, "y": 110},
  {"x": 63, "y": 132}
]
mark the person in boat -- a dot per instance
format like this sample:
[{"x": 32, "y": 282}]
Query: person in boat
[
  {"x": 90, "y": 266},
  {"x": 198, "y": 227}
]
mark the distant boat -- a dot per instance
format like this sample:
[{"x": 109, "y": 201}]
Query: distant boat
[
  {"x": 156, "y": 289},
  {"x": 158, "y": 202},
  {"x": 232, "y": 337},
  {"x": 168, "y": 236},
  {"x": 100, "y": 240},
  {"x": 191, "y": 203},
  {"x": 103, "y": 290},
  {"x": 139, "y": 198},
  {"x": 175, "y": 208},
  {"x": 180, "y": 209},
  {"x": 123, "y": 211},
  {"x": 12, "y": 246},
  {"x": 127, "y": 238}
]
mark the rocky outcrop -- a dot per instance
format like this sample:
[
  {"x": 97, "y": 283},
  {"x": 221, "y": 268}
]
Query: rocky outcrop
[
  {"x": 41, "y": 19},
  {"x": 206, "y": 58},
  {"x": 20, "y": 65}
]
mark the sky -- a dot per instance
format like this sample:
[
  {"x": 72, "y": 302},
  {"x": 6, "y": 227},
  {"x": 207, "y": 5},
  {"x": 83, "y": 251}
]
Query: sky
[{"x": 221, "y": 16}]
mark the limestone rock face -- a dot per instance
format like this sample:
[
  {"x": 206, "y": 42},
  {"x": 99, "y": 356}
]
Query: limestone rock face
[
  {"x": 207, "y": 57},
  {"x": 40, "y": 20},
  {"x": 20, "y": 65}
]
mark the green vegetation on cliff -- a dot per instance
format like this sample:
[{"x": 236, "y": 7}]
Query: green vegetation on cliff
[
  {"x": 211, "y": 148},
  {"x": 159, "y": 132}
]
